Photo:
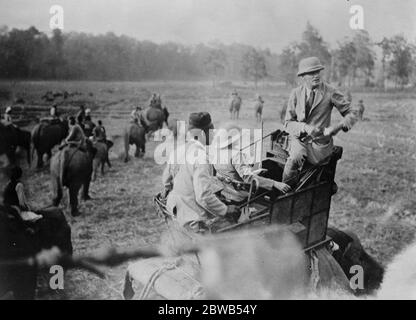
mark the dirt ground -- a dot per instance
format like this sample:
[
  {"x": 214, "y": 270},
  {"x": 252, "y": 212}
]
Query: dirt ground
[{"x": 376, "y": 176}]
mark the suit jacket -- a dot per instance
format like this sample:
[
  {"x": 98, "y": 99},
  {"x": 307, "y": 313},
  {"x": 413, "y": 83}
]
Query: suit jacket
[{"x": 326, "y": 98}]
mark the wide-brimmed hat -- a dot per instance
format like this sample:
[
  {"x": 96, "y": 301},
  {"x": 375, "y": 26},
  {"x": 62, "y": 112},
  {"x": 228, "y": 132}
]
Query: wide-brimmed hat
[
  {"x": 226, "y": 135},
  {"x": 308, "y": 65},
  {"x": 200, "y": 120}
]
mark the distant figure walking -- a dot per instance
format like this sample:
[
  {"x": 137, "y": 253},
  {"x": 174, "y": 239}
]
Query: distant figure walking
[
  {"x": 258, "y": 108},
  {"x": 361, "y": 110},
  {"x": 235, "y": 105}
]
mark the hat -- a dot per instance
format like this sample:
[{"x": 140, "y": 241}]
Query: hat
[
  {"x": 200, "y": 120},
  {"x": 226, "y": 135},
  {"x": 8, "y": 109},
  {"x": 309, "y": 65}
]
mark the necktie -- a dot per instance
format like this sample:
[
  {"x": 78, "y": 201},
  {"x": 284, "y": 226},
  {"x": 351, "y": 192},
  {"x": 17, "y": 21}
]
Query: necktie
[{"x": 309, "y": 103}]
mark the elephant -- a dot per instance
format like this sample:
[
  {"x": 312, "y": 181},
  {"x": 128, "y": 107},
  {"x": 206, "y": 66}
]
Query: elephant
[
  {"x": 101, "y": 157},
  {"x": 351, "y": 253},
  {"x": 19, "y": 239},
  {"x": 12, "y": 137},
  {"x": 152, "y": 118},
  {"x": 134, "y": 134},
  {"x": 47, "y": 135},
  {"x": 72, "y": 167}
]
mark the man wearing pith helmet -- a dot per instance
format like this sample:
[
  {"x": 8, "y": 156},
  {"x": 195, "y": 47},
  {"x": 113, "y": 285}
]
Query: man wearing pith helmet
[{"x": 308, "y": 119}]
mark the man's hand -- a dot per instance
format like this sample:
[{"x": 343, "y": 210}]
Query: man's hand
[
  {"x": 283, "y": 187},
  {"x": 313, "y": 131},
  {"x": 329, "y": 132},
  {"x": 332, "y": 131}
]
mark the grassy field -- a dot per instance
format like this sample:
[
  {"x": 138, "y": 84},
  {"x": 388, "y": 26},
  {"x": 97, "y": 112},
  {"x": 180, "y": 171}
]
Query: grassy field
[{"x": 376, "y": 176}]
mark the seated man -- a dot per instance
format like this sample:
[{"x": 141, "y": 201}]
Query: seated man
[
  {"x": 192, "y": 199},
  {"x": 233, "y": 167},
  {"x": 7, "y": 118},
  {"x": 14, "y": 196},
  {"x": 53, "y": 116},
  {"x": 99, "y": 132},
  {"x": 88, "y": 126},
  {"x": 136, "y": 114},
  {"x": 76, "y": 135},
  {"x": 80, "y": 117},
  {"x": 99, "y": 135},
  {"x": 308, "y": 119}
]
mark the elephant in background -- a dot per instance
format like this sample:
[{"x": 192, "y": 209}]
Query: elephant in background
[
  {"x": 134, "y": 134},
  {"x": 47, "y": 135},
  {"x": 101, "y": 157},
  {"x": 12, "y": 137},
  {"x": 72, "y": 167}
]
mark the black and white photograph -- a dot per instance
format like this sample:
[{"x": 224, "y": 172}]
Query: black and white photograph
[{"x": 226, "y": 151}]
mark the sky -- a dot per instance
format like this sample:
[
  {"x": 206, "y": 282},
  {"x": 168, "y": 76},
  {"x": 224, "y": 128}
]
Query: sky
[{"x": 262, "y": 23}]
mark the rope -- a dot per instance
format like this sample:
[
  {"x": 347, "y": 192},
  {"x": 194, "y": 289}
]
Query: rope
[
  {"x": 155, "y": 275},
  {"x": 196, "y": 291}
]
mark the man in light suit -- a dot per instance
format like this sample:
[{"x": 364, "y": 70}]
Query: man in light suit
[
  {"x": 308, "y": 119},
  {"x": 190, "y": 178}
]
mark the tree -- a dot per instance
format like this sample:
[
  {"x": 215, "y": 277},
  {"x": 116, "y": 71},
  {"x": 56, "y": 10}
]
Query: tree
[
  {"x": 55, "y": 58},
  {"x": 254, "y": 66},
  {"x": 215, "y": 63},
  {"x": 288, "y": 65},
  {"x": 385, "y": 53},
  {"x": 400, "y": 56},
  {"x": 313, "y": 45},
  {"x": 364, "y": 54},
  {"x": 345, "y": 61}
]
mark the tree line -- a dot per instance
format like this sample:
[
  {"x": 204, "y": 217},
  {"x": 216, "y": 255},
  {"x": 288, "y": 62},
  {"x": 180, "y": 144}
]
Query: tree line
[
  {"x": 354, "y": 60},
  {"x": 31, "y": 54}
]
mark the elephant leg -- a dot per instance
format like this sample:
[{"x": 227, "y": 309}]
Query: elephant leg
[
  {"x": 95, "y": 169},
  {"x": 143, "y": 147},
  {"x": 86, "y": 190},
  {"x": 127, "y": 148},
  {"x": 57, "y": 189},
  {"x": 137, "y": 153},
  {"x": 73, "y": 199},
  {"x": 107, "y": 160},
  {"x": 102, "y": 167},
  {"x": 40, "y": 159}
]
